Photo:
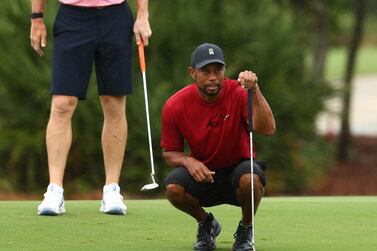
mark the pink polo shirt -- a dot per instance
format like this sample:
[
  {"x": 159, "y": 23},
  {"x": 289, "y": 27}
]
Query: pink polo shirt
[{"x": 91, "y": 3}]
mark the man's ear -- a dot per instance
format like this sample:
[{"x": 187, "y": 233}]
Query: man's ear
[{"x": 191, "y": 72}]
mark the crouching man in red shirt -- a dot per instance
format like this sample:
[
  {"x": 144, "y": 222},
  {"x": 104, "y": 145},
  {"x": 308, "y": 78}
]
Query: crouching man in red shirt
[{"x": 211, "y": 115}]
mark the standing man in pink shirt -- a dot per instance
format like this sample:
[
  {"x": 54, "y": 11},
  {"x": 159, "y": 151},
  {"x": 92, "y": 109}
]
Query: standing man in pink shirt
[{"x": 87, "y": 32}]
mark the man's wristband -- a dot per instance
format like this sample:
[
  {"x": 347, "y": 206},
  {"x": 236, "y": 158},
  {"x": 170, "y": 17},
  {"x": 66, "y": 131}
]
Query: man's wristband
[{"x": 35, "y": 15}]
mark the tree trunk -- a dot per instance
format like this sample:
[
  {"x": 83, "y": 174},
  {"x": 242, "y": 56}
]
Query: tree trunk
[
  {"x": 320, "y": 42},
  {"x": 345, "y": 135}
]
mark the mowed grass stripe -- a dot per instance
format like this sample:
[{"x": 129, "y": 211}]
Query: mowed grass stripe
[{"x": 282, "y": 223}]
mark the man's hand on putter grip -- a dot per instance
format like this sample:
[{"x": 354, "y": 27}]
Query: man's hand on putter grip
[
  {"x": 38, "y": 35},
  {"x": 247, "y": 79},
  {"x": 199, "y": 171},
  {"x": 142, "y": 30}
]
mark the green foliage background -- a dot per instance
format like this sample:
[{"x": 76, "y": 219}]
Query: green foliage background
[{"x": 258, "y": 35}]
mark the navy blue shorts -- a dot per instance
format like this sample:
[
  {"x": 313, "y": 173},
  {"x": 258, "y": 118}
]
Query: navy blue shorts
[
  {"x": 83, "y": 36},
  {"x": 222, "y": 190}
]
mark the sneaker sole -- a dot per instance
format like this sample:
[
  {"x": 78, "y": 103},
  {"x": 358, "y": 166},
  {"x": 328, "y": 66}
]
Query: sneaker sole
[
  {"x": 239, "y": 249},
  {"x": 113, "y": 211},
  {"x": 50, "y": 211},
  {"x": 252, "y": 248},
  {"x": 204, "y": 249}
]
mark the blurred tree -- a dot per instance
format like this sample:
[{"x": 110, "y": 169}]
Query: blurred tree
[
  {"x": 258, "y": 35},
  {"x": 345, "y": 135},
  {"x": 254, "y": 35},
  {"x": 24, "y": 106},
  {"x": 320, "y": 43},
  {"x": 316, "y": 21},
  {"x": 24, "y": 92}
]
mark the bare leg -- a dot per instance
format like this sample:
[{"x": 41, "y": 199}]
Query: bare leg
[
  {"x": 114, "y": 135},
  {"x": 185, "y": 202},
  {"x": 243, "y": 194},
  {"x": 59, "y": 136}
]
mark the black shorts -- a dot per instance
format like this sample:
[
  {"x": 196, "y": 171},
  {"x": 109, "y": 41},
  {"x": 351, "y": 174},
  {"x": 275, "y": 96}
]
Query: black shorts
[
  {"x": 222, "y": 190},
  {"x": 83, "y": 36}
]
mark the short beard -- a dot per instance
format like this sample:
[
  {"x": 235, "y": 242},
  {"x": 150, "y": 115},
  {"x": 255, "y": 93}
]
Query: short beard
[{"x": 209, "y": 94}]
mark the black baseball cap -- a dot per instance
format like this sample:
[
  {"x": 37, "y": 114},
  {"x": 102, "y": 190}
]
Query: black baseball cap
[{"x": 206, "y": 54}]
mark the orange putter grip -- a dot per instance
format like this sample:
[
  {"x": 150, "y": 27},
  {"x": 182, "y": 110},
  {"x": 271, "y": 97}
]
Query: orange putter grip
[{"x": 141, "y": 56}]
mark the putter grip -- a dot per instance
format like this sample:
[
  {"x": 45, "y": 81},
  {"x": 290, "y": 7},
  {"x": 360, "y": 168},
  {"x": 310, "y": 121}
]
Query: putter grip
[
  {"x": 141, "y": 56},
  {"x": 250, "y": 108}
]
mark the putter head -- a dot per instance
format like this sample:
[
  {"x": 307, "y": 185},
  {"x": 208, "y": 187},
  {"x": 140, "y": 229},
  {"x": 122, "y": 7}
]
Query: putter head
[{"x": 149, "y": 186}]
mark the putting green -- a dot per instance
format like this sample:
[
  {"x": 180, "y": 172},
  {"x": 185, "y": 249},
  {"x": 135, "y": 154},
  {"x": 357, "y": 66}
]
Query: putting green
[{"x": 282, "y": 223}]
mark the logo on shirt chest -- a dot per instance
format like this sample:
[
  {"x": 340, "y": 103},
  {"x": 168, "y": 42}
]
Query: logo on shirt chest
[{"x": 215, "y": 122}]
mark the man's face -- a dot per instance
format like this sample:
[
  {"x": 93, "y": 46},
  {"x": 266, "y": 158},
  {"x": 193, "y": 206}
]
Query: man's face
[{"x": 209, "y": 79}]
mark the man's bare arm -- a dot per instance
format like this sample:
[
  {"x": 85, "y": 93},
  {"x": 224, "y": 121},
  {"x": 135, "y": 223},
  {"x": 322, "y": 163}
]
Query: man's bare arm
[
  {"x": 38, "y": 33},
  {"x": 263, "y": 118},
  {"x": 142, "y": 29},
  {"x": 196, "y": 168}
]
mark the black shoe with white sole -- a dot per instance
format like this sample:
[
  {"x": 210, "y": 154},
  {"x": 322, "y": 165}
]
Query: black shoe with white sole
[
  {"x": 207, "y": 232},
  {"x": 243, "y": 238}
]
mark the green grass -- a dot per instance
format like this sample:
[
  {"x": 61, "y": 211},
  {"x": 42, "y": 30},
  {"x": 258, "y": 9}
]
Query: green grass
[
  {"x": 366, "y": 62},
  {"x": 286, "y": 223}
]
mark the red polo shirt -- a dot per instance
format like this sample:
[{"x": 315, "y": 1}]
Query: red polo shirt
[{"x": 215, "y": 132}]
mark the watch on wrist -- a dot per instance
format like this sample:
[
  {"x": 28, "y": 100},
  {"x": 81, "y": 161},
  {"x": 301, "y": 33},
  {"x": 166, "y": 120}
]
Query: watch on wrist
[{"x": 35, "y": 15}]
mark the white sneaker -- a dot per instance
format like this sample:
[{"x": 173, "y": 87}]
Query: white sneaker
[
  {"x": 53, "y": 202},
  {"x": 112, "y": 200}
]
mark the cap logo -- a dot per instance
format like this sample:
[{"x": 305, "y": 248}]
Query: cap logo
[{"x": 211, "y": 52}]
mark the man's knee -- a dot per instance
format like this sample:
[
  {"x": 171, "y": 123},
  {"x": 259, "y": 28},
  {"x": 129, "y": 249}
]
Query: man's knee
[
  {"x": 114, "y": 107},
  {"x": 174, "y": 192},
  {"x": 63, "y": 105},
  {"x": 245, "y": 182},
  {"x": 108, "y": 99}
]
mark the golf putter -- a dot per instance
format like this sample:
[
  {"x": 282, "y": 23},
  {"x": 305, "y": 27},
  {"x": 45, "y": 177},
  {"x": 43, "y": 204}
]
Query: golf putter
[
  {"x": 250, "y": 118},
  {"x": 152, "y": 185}
]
